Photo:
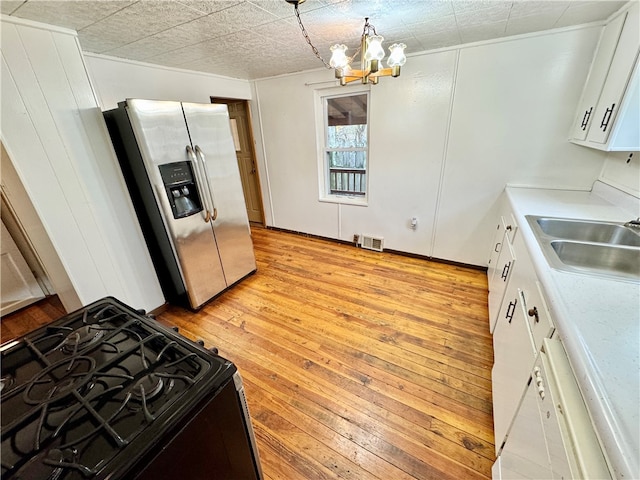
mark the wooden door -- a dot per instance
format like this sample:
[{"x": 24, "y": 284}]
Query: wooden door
[
  {"x": 18, "y": 287},
  {"x": 243, "y": 141}
]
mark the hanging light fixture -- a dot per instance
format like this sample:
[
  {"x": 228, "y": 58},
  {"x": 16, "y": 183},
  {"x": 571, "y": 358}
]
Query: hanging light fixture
[{"x": 371, "y": 55}]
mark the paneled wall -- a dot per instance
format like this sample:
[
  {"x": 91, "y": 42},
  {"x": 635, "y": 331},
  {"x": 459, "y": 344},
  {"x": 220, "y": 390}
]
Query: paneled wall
[
  {"x": 446, "y": 136},
  {"x": 513, "y": 109},
  {"x": 622, "y": 170},
  {"x": 116, "y": 79},
  {"x": 55, "y": 134}
]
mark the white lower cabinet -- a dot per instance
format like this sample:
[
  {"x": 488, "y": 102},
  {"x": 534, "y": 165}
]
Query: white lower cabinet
[
  {"x": 501, "y": 263},
  {"x": 541, "y": 424},
  {"x": 521, "y": 324}
]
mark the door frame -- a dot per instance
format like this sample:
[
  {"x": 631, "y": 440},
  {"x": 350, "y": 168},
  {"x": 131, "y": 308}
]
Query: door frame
[{"x": 252, "y": 144}]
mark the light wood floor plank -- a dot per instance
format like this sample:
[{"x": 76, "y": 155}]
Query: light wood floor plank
[{"x": 357, "y": 364}]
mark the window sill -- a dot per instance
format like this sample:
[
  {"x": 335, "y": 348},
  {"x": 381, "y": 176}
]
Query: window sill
[{"x": 345, "y": 200}]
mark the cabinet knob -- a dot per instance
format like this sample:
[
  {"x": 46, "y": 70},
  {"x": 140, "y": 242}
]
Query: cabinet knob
[
  {"x": 509, "y": 227},
  {"x": 533, "y": 312}
]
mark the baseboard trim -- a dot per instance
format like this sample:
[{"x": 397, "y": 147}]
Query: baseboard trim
[{"x": 386, "y": 250}]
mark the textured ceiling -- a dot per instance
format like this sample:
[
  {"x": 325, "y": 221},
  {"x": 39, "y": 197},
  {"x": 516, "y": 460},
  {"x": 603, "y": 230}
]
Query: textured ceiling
[{"x": 259, "y": 38}]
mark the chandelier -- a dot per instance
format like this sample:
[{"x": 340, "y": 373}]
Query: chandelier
[{"x": 371, "y": 55}]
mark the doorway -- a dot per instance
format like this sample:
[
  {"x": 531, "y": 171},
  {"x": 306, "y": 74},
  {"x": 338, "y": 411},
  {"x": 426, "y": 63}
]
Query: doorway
[{"x": 240, "y": 118}]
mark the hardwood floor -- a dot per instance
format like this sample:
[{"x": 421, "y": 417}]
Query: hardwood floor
[{"x": 357, "y": 365}]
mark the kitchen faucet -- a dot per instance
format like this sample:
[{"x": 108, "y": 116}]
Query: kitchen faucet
[{"x": 633, "y": 223}]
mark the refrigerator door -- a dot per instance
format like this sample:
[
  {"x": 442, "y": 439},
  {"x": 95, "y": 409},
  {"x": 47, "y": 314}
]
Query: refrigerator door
[
  {"x": 210, "y": 133},
  {"x": 163, "y": 138}
]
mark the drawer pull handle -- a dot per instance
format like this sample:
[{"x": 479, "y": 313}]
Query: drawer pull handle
[
  {"x": 505, "y": 271},
  {"x": 607, "y": 117},
  {"x": 511, "y": 310},
  {"x": 533, "y": 312},
  {"x": 585, "y": 119}
]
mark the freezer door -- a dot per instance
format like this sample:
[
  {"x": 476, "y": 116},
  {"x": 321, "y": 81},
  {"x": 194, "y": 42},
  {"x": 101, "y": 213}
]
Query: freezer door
[
  {"x": 210, "y": 133},
  {"x": 163, "y": 138}
]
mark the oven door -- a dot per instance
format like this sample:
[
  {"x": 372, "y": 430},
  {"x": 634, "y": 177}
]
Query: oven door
[{"x": 217, "y": 443}]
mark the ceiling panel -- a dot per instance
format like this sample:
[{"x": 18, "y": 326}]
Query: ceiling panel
[{"x": 259, "y": 38}]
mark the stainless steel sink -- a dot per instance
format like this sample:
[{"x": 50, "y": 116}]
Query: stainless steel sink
[
  {"x": 586, "y": 231},
  {"x": 605, "y": 259},
  {"x": 585, "y": 246}
]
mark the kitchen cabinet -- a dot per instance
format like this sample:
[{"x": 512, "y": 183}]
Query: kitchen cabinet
[
  {"x": 501, "y": 262},
  {"x": 521, "y": 325},
  {"x": 607, "y": 117},
  {"x": 547, "y": 421}
]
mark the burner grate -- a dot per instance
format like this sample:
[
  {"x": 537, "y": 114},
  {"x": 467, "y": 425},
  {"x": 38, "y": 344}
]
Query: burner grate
[{"x": 78, "y": 392}]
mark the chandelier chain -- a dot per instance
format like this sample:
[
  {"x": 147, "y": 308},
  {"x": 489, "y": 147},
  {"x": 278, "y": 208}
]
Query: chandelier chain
[{"x": 306, "y": 37}]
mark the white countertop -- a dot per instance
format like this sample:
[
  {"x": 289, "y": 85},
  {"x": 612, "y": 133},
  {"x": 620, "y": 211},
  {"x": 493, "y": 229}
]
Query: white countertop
[{"x": 598, "y": 320}]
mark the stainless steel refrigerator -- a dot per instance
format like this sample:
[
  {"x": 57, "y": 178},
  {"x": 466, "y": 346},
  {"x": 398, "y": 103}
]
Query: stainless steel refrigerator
[{"x": 178, "y": 160}]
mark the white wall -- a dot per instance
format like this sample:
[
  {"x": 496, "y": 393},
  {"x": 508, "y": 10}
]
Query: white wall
[
  {"x": 115, "y": 80},
  {"x": 513, "y": 109},
  {"x": 56, "y": 137},
  {"x": 622, "y": 170},
  {"x": 470, "y": 120}
]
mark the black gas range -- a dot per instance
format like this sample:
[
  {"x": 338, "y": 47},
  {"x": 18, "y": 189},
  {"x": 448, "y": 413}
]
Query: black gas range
[{"x": 109, "y": 393}]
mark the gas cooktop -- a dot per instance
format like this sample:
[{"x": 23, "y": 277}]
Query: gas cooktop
[{"x": 86, "y": 396}]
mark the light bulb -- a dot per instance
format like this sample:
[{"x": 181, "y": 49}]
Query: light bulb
[
  {"x": 374, "y": 48},
  {"x": 397, "y": 57},
  {"x": 339, "y": 57}
]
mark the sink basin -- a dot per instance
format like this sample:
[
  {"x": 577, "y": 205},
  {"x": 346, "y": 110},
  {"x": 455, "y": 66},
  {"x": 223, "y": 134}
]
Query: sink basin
[
  {"x": 604, "y": 259},
  {"x": 589, "y": 247},
  {"x": 585, "y": 231}
]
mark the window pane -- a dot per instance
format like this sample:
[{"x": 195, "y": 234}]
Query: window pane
[
  {"x": 347, "y": 121},
  {"x": 352, "y": 159},
  {"x": 346, "y": 144}
]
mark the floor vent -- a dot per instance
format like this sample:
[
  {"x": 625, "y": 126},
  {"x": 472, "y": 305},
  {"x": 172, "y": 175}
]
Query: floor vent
[{"x": 372, "y": 243}]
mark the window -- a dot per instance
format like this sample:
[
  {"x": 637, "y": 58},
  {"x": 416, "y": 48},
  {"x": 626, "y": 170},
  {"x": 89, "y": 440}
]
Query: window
[{"x": 346, "y": 144}]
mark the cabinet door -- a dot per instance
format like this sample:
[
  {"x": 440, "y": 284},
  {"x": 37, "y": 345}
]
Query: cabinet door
[
  {"x": 597, "y": 76},
  {"x": 514, "y": 355},
  {"x": 505, "y": 265},
  {"x": 617, "y": 79},
  {"x": 492, "y": 264},
  {"x": 505, "y": 230},
  {"x": 525, "y": 452}
]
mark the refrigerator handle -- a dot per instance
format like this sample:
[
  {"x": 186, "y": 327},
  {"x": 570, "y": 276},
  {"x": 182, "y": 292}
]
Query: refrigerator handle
[
  {"x": 206, "y": 177},
  {"x": 198, "y": 173}
]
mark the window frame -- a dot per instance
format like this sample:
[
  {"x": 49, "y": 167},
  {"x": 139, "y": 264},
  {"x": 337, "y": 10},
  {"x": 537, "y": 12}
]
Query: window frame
[{"x": 322, "y": 125}]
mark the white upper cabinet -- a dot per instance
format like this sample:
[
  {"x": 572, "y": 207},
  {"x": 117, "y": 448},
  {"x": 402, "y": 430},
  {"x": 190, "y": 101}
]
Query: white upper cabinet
[{"x": 607, "y": 118}]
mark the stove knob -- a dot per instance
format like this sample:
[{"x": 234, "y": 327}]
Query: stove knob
[
  {"x": 200, "y": 342},
  {"x": 175, "y": 329},
  {"x": 214, "y": 350}
]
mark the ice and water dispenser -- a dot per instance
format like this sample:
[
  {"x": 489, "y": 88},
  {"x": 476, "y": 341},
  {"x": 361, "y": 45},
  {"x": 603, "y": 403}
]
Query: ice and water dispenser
[{"x": 181, "y": 188}]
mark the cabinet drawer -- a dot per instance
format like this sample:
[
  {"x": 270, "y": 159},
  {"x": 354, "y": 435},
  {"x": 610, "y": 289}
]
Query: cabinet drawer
[
  {"x": 537, "y": 314},
  {"x": 510, "y": 226}
]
